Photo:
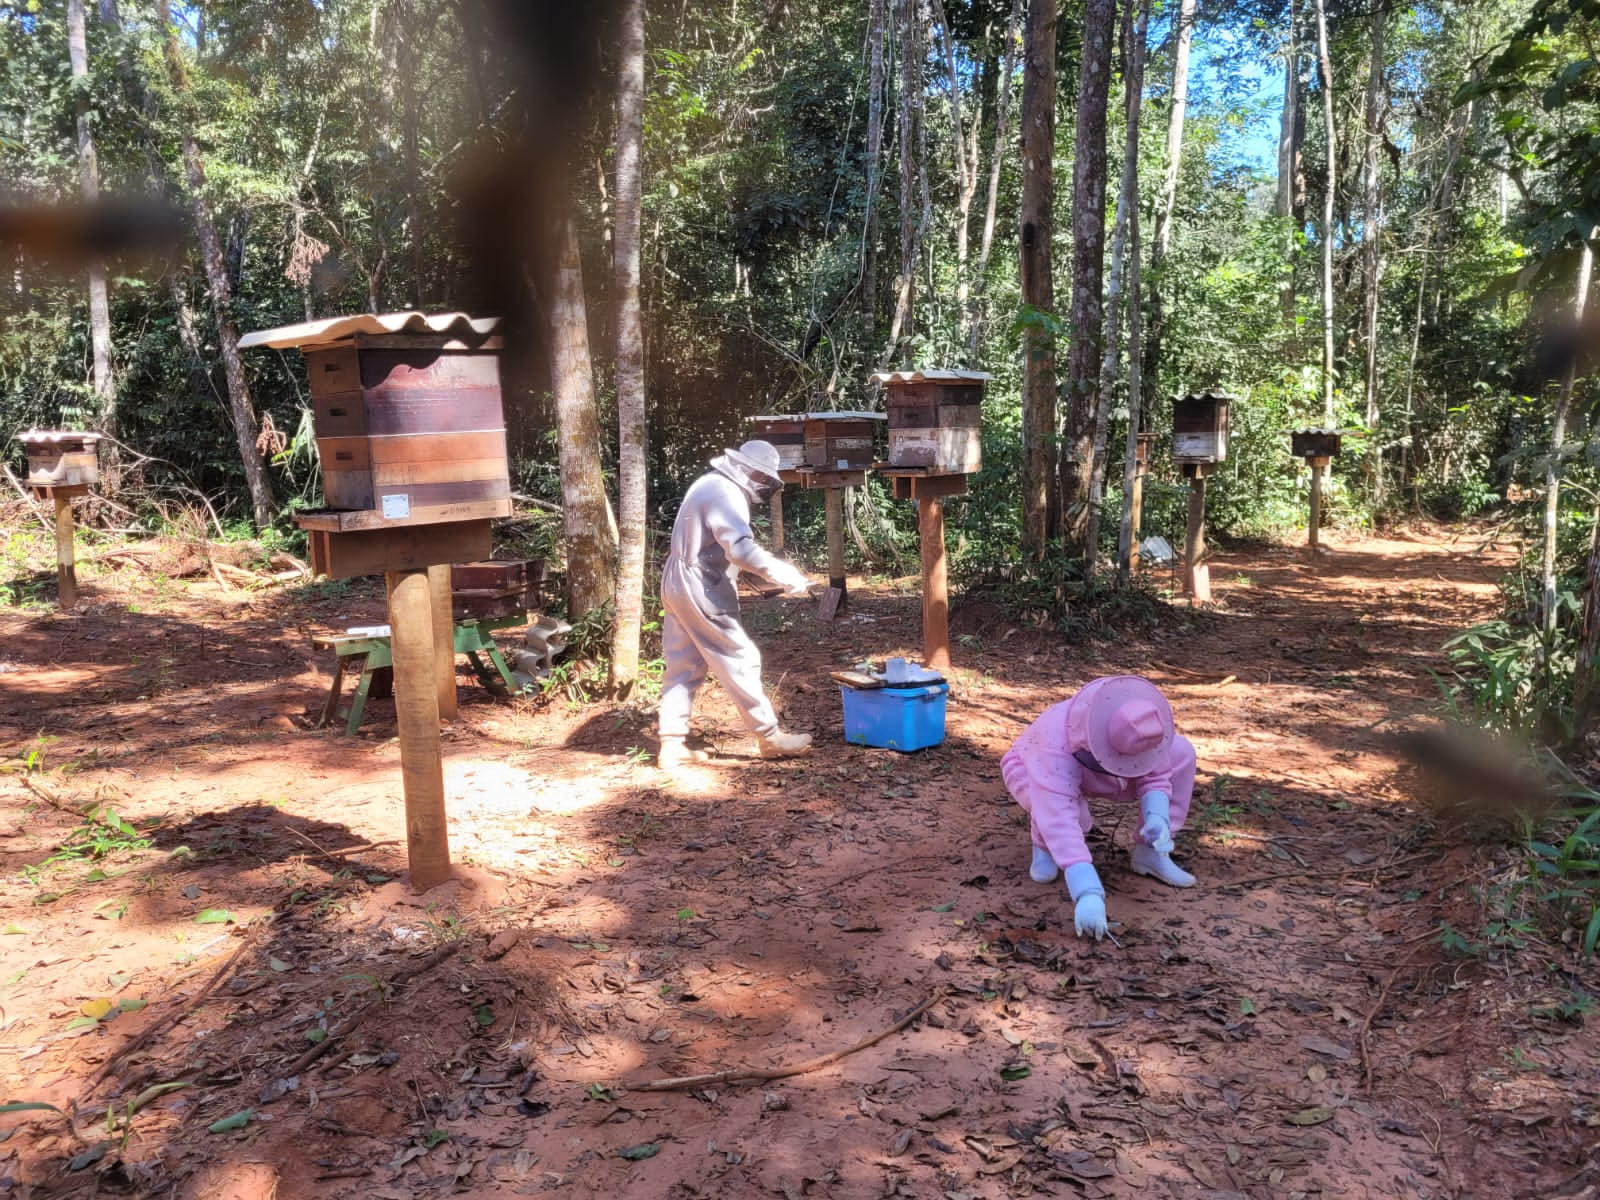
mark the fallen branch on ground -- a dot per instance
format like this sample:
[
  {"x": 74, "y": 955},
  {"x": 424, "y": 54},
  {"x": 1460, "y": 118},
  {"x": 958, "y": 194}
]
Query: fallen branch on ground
[{"x": 762, "y": 1074}]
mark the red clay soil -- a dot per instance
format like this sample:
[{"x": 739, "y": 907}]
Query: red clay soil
[{"x": 254, "y": 1000}]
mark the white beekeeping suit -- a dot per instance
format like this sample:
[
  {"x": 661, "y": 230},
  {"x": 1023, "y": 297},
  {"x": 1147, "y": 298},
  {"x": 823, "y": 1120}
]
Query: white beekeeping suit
[{"x": 711, "y": 543}]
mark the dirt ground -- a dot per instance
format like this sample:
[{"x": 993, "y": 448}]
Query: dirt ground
[{"x": 230, "y": 988}]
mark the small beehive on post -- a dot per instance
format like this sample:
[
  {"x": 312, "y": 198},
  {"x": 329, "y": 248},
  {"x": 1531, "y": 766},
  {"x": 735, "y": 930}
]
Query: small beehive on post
[
  {"x": 840, "y": 441},
  {"x": 1200, "y": 427},
  {"x": 786, "y": 432},
  {"x": 935, "y": 419},
  {"x": 1314, "y": 443},
  {"x": 1141, "y": 452},
  {"x": 498, "y": 588},
  {"x": 61, "y": 458}
]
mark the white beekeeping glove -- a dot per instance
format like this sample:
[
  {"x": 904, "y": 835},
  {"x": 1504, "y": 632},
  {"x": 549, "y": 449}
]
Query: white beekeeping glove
[
  {"x": 1155, "y": 829},
  {"x": 1088, "y": 900}
]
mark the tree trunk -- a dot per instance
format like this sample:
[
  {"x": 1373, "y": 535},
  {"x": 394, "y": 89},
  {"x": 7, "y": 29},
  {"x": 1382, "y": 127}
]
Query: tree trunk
[
  {"x": 900, "y": 326},
  {"x": 217, "y": 283},
  {"x": 1168, "y": 199},
  {"x": 1088, "y": 272},
  {"x": 1038, "y": 119},
  {"x": 869, "y": 223},
  {"x": 1553, "y": 464},
  {"x": 89, "y": 185},
  {"x": 1133, "y": 39},
  {"x": 586, "y": 517},
  {"x": 1289, "y": 204},
  {"x": 1371, "y": 251},
  {"x": 966, "y": 167},
  {"x": 1002, "y": 106},
  {"x": 632, "y": 428},
  {"x": 1325, "y": 67}
]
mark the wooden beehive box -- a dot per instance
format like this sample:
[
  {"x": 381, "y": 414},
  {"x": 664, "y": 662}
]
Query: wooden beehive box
[
  {"x": 61, "y": 458},
  {"x": 1314, "y": 443},
  {"x": 407, "y": 416},
  {"x": 496, "y": 588},
  {"x": 935, "y": 419},
  {"x": 1141, "y": 449},
  {"x": 841, "y": 441},
  {"x": 1200, "y": 427},
  {"x": 787, "y": 433}
]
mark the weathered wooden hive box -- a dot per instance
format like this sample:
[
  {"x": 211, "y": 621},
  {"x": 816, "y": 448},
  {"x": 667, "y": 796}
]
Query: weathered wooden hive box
[
  {"x": 1200, "y": 427},
  {"x": 61, "y": 458},
  {"x": 841, "y": 441},
  {"x": 787, "y": 434},
  {"x": 408, "y": 418},
  {"x": 935, "y": 419},
  {"x": 1314, "y": 443},
  {"x": 1141, "y": 449},
  {"x": 496, "y": 588}
]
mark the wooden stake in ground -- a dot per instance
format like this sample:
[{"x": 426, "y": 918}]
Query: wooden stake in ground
[
  {"x": 66, "y": 567},
  {"x": 416, "y": 702},
  {"x": 834, "y": 497},
  {"x": 935, "y": 584},
  {"x": 1319, "y": 466},
  {"x": 1197, "y": 574},
  {"x": 444, "y": 638},
  {"x": 777, "y": 522}
]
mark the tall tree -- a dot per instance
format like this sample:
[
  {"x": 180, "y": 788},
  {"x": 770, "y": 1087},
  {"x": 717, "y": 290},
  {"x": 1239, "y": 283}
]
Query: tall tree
[
  {"x": 1039, "y": 521},
  {"x": 1371, "y": 224},
  {"x": 89, "y": 186},
  {"x": 586, "y": 515},
  {"x": 1002, "y": 106},
  {"x": 1553, "y": 461},
  {"x": 1088, "y": 272},
  {"x": 1331, "y": 185},
  {"x": 1167, "y": 201},
  {"x": 632, "y": 428},
  {"x": 965, "y": 146},
  {"x": 909, "y": 30},
  {"x": 1124, "y": 239},
  {"x": 869, "y": 223},
  {"x": 1289, "y": 204},
  {"x": 218, "y": 282}
]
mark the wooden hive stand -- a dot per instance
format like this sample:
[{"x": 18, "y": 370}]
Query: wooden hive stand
[{"x": 62, "y": 465}]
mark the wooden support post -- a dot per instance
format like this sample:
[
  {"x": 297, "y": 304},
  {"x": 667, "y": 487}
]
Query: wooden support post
[
  {"x": 1197, "y": 574},
  {"x": 835, "y": 511},
  {"x": 444, "y": 648},
  {"x": 1136, "y": 505},
  {"x": 416, "y": 703},
  {"x": 1318, "y": 466},
  {"x": 777, "y": 522},
  {"x": 935, "y": 584},
  {"x": 66, "y": 564}
]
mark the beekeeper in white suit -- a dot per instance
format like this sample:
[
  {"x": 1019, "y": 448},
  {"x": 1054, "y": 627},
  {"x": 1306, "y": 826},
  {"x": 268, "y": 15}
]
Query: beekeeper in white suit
[{"x": 711, "y": 543}]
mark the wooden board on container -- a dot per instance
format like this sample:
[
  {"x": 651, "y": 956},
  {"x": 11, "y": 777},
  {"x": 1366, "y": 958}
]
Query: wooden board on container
[
  {"x": 859, "y": 680},
  {"x": 366, "y": 519},
  {"x": 343, "y": 555}
]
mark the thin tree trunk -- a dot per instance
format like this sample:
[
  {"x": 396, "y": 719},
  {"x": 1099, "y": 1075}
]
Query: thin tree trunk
[
  {"x": 586, "y": 512},
  {"x": 1288, "y": 204},
  {"x": 1133, "y": 39},
  {"x": 217, "y": 283},
  {"x": 89, "y": 185},
  {"x": 1325, "y": 67},
  {"x": 966, "y": 168},
  {"x": 632, "y": 428},
  {"x": 910, "y": 89},
  {"x": 1553, "y": 465},
  {"x": 1038, "y": 119},
  {"x": 1002, "y": 105},
  {"x": 1167, "y": 202},
  {"x": 869, "y": 223},
  {"x": 1371, "y": 251},
  {"x": 1088, "y": 272}
]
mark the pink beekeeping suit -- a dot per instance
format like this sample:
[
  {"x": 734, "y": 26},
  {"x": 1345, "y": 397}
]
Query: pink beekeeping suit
[{"x": 1042, "y": 774}]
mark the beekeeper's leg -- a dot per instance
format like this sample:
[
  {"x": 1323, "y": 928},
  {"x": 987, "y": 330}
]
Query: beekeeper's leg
[
  {"x": 1161, "y": 816},
  {"x": 684, "y": 673},
  {"x": 736, "y": 663}
]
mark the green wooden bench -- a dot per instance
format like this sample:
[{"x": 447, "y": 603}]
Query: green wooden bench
[{"x": 370, "y": 651}]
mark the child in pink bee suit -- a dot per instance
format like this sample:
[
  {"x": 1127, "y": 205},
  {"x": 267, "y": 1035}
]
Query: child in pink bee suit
[{"x": 1114, "y": 740}]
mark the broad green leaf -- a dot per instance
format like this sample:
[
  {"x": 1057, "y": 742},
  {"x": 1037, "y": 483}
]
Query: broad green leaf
[
  {"x": 215, "y": 916},
  {"x": 228, "y": 1124}
]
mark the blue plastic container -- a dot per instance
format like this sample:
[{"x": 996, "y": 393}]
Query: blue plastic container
[{"x": 902, "y": 719}]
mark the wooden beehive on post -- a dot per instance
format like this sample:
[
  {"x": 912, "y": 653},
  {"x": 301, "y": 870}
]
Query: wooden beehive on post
[
  {"x": 1314, "y": 443},
  {"x": 935, "y": 419},
  {"x": 1200, "y": 427},
  {"x": 61, "y": 458},
  {"x": 410, "y": 432},
  {"x": 1141, "y": 452},
  {"x": 840, "y": 441},
  {"x": 786, "y": 432},
  {"x": 498, "y": 588}
]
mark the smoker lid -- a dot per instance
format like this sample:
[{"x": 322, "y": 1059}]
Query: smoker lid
[
  {"x": 54, "y": 437},
  {"x": 334, "y": 329},
  {"x": 935, "y": 376}
]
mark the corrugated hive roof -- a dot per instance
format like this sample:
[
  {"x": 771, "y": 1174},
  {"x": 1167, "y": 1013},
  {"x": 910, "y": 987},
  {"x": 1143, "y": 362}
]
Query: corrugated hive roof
[
  {"x": 918, "y": 375},
  {"x": 829, "y": 414},
  {"x": 335, "y": 329},
  {"x": 48, "y": 437}
]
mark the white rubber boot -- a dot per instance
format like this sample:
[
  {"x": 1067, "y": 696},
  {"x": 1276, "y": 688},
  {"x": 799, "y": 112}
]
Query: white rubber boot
[
  {"x": 1147, "y": 860},
  {"x": 784, "y": 745},
  {"x": 1044, "y": 869},
  {"x": 676, "y": 753}
]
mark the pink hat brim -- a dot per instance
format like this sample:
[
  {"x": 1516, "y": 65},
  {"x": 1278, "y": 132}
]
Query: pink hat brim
[{"x": 1089, "y": 721}]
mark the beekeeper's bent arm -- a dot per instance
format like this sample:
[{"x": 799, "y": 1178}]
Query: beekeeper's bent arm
[{"x": 738, "y": 541}]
